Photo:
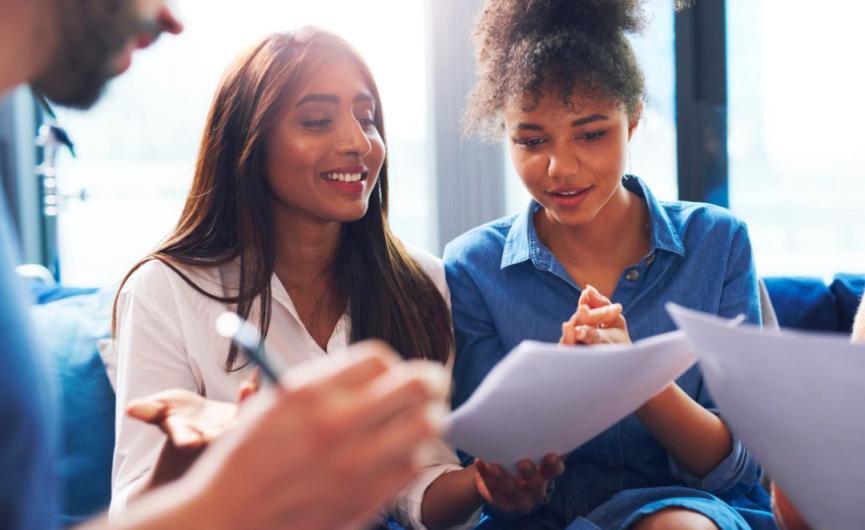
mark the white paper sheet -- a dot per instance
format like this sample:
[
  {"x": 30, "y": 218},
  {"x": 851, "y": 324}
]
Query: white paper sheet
[
  {"x": 544, "y": 398},
  {"x": 797, "y": 400}
]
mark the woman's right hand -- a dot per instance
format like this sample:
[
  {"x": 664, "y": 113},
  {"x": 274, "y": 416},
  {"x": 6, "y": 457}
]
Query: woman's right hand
[
  {"x": 506, "y": 493},
  {"x": 189, "y": 420}
]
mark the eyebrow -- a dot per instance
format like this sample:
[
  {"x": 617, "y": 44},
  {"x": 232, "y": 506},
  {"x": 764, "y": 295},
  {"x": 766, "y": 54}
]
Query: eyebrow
[
  {"x": 363, "y": 97},
  {"x": 576, "y": 123}
]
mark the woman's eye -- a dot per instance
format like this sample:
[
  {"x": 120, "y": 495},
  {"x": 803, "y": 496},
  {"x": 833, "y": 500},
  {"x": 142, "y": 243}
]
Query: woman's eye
[
  {"x": 593, "y": 136},
  {"x": 529, "y": 143},
  {"x": 367, "y": 123},
  {"x": 317, "y": 124}
]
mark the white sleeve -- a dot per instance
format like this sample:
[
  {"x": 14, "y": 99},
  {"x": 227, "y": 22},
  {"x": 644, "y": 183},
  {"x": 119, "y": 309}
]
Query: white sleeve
[
  {"x": 151, "y": 357},
  {"x": 440, "y": 459},
  {"x": 859, "y": 324}
]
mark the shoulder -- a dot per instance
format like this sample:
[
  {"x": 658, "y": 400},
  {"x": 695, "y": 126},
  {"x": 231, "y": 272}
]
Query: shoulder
[
  {"x": 431, "y": 265},
  {"x": 481, "y": 246},
  {"x": 702, "y": 223},
  {"x": 160, "y": 286}
]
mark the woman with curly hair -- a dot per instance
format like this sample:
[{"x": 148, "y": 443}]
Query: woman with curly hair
[{"x": 559, "y": 79}]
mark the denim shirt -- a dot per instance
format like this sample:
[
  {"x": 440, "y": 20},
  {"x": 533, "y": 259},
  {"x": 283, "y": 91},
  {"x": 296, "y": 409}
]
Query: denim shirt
[
  {"x": 29, "y": 482},
  {"x": 507, "y": 287}
]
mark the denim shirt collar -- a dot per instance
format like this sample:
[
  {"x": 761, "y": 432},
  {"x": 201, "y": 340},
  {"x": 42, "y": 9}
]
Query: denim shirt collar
[{"x": 522, "y": 243}]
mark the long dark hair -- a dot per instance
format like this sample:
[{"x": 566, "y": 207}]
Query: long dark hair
[{"x": 227, "y": 215}]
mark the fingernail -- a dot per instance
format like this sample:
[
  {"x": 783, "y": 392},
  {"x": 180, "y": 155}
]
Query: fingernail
[{"x": 145, "y": 408}]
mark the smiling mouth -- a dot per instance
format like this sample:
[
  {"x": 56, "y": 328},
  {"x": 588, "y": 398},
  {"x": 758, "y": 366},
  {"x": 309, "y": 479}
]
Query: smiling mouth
[
  {"x": 569, "y": 193},
  {"x": 344, "y": 177}
]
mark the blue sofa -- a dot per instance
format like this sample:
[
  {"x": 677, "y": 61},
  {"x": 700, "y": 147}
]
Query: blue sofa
[
  {"x": 809, "y": 304},
  {"x": 70, "y": 321}
]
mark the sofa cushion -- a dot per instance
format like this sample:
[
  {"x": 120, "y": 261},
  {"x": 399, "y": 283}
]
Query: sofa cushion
[
  {"x": 69, "y": 327},
  {"x": 847, "y": 290},
  {"x": 803, "y": 303}
]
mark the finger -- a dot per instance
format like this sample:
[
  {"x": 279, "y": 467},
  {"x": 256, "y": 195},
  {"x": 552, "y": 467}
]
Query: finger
[
  {"x": 580, "y": 334},
  {"x": 524, "y": 501},
  {"x": 492, "y": 483},
  {"x": 603, "y": 315},
  {"x": 506, "y": 485},
  {"x": 147, "y": 410},
  {"x": 250, "y": 386},
  {"x": 585, "y": 297},
  {"x": 552, "y": 466},
  {"x": 589, "y": 336},
  {"x": 487, "y": 476},
  {"x": 568, "y": 334},
  {"x": 181, "y": 434},
  {"x": 245, "y": 391},
  {"x": 594, "y": 297},
  {"x": 532, "y": 481}
]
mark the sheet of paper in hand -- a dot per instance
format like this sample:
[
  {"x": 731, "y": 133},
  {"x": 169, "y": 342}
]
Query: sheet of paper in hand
[
  {"x": 545, "y": 398},
  {"x": 797, "y": 401}
]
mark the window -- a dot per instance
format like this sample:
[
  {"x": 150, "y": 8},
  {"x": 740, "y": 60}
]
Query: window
[
  {"x": 797, "y": 166},
  {"x": 137, "y": 148}
]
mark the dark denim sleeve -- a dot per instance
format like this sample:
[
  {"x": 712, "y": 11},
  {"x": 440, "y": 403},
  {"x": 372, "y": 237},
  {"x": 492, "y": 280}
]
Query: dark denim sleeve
[
  {"x": 28, "y": 482},
  {"x": 738, "y": 472}
]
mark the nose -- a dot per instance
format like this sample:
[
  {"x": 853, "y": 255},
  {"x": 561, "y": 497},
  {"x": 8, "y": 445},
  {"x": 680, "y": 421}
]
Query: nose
[
  {"x": 563, "y": 163},
  {"x": 353, "y": 139}
]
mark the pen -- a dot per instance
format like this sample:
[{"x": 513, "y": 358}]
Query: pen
[{"x": 246, "y": 337}]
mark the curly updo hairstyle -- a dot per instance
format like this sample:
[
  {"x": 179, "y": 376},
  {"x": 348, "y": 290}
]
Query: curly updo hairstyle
[{"x": 537, "y": 47}]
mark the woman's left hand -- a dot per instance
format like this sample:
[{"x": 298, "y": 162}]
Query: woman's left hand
[
  {"x": 596, "y": 321},
  {"x": 507, "y": 493}
]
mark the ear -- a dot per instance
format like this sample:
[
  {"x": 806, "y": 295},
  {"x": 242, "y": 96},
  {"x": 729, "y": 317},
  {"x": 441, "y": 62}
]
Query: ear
[{"x": 634, "y": 120}]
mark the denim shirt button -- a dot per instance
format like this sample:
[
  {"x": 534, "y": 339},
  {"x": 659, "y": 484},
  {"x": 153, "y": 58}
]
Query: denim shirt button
[{"x": 632, "y": 275}]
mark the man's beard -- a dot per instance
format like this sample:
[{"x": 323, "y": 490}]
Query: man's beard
[{"x": 90, "y": 33}]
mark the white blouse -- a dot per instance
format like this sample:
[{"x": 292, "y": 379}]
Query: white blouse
[
  {"x": 166, "y": 339},
  {"x": 859, "y": 324}
]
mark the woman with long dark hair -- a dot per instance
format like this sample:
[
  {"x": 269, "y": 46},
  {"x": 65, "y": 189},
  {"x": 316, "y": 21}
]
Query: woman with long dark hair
[{"x": 286, "y": 225}]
